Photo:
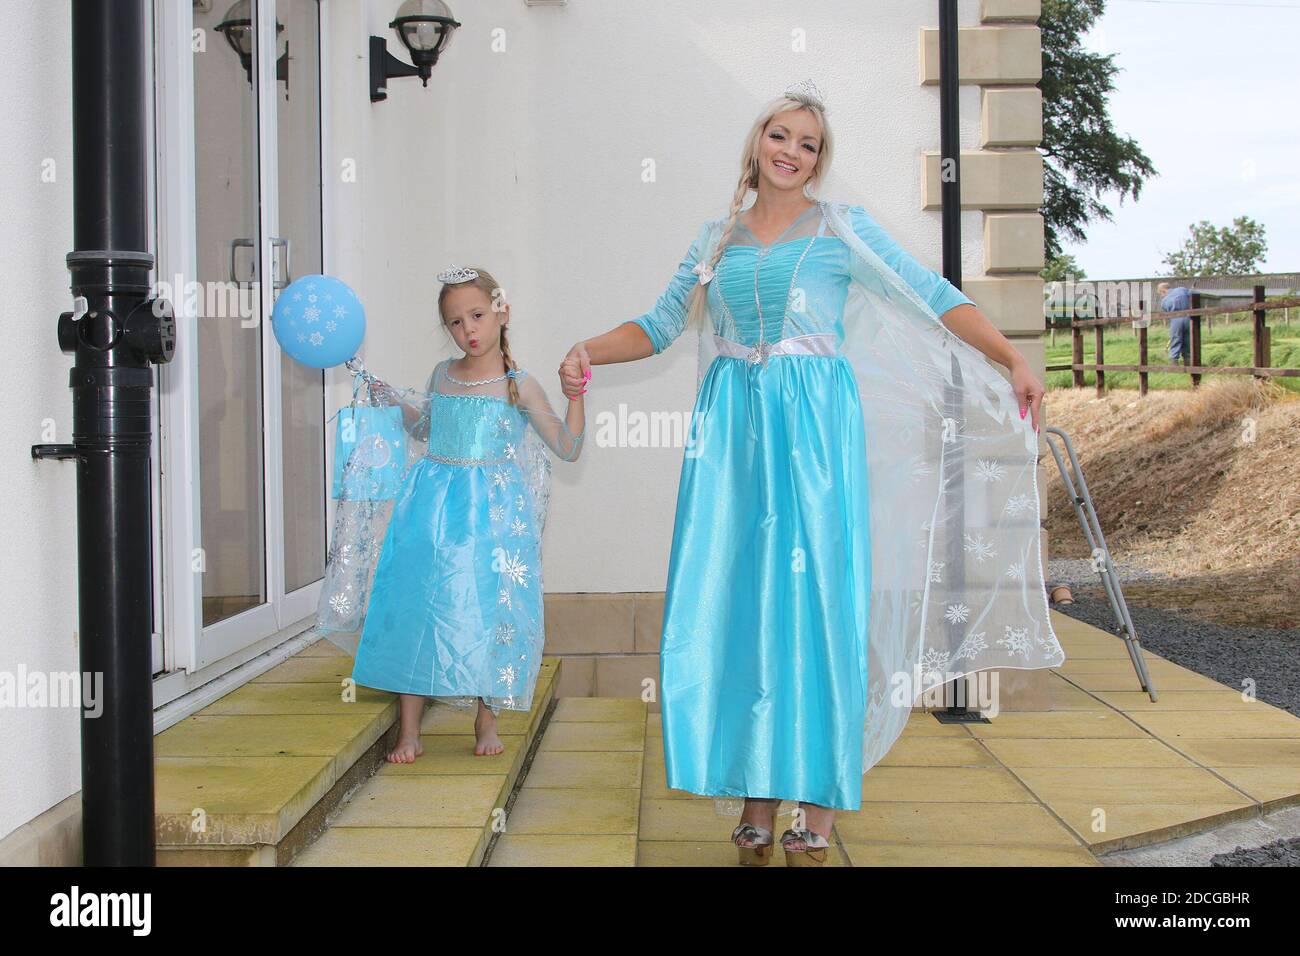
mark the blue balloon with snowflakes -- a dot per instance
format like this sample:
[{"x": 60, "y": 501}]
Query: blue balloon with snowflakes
[{"x": 319, "y": 321}]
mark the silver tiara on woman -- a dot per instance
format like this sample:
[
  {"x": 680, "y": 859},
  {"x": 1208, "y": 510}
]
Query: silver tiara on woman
[
  {"x": 456, "y": 274},
  {"x": 805, "y": 91}
]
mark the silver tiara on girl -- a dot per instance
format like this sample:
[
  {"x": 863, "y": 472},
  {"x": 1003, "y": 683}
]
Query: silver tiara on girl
[
  {"x": 456, "y": 274},
  {"x": 805, "y": 91}
]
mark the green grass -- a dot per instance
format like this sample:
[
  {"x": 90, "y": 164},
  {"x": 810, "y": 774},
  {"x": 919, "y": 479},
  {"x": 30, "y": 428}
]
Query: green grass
[{"x": 1227, "y": 344}]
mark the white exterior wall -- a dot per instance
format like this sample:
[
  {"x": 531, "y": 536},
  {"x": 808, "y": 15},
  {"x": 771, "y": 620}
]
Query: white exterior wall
[{"x": 528, "y": 162}]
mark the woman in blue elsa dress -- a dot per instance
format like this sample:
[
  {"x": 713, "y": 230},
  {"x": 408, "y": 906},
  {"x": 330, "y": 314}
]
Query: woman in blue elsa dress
[{"x": 857, "y": 512}]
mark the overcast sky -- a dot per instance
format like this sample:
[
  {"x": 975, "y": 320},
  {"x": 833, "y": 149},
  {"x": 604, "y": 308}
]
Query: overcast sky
[{"x": 1210, "y": 90}]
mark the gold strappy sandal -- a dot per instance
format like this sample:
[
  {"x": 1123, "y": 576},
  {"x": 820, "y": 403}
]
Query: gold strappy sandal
[
  {"x": 760, "y": 852},
  {"x": 814, "y": 855}
]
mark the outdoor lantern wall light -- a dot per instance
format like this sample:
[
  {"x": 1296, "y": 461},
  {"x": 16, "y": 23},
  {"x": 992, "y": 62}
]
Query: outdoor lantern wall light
[
  {"x": 425, "y": 28},
  {"x": 237, "y": 27}
]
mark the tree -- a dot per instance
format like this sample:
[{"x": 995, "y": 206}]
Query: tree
[
  {"x": 1061, "y": 268},
  {"x": 1083, "y": 155},
  {"x": 1207, "y": 251}
]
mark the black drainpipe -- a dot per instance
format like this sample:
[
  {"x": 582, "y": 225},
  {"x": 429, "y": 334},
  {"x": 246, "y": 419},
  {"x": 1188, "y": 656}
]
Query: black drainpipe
[
  {"x": 122, "y": 332},
  {"x": 950, "y": 192}
]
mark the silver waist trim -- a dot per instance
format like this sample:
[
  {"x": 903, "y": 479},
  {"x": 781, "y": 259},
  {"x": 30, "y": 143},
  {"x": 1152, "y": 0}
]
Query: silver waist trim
[
  {"x": 459, "y": 461},
  {"x": 814, "y": 343}
]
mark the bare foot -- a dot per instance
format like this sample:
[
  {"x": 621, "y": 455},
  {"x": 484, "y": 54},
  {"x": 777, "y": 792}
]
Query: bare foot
[
  {"x": 407, "y": 749},
  {"x": 486, "y": 741}
]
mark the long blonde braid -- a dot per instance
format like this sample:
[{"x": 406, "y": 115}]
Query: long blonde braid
[
  {"x": 748, "y": 181},
  {"x": 512, "y": 387}
]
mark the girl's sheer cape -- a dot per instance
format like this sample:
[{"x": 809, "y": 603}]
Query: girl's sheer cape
[{"x": 957, "y": 580}]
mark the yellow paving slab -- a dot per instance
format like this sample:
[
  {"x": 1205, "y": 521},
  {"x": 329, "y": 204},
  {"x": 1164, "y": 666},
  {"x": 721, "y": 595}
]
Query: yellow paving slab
[
  {"x": 963, "y": 785},
  {"x": 309, "y": 669},
  {"x": 1016, "y": 752},
  {"x": 1100, "y": 675},
  {"x": 1171, "y": 700},
  {"x": 240, "y": 800},
  {"x": 1062, "y": 695},
  {"x": 342, "y": 737},
  {"x": 580, "y": 812},
  {"x": 1102, "y": 787},
  {"x": 454, "y": 754},
  {"x": 1272, "y": 786},
  {"x": 597, "y": 709},
  {"x": 538, "y": 849},
  {"x": 594, "y": 735},
  {"x": 323, "y": 648},
  {"x": 300, "y": 698},
  {"x": 1121, "y": 825},
  {"x": 922, "y": 723},
  {"x": 1003, "y": 824},
  {"x": 1062, "y": 724},
  {"x": 886, "y": 854},
  {"x": 449, "y": 800},
  {"x": 442, "y": 718},
  {"x": 919, "y": 751},
  {"x": 715, "y": 853},
  {"x": 393, "y": 846},
  {"x": 1103, "y": 767},
  {"x": 1263, "y": 752},
  {"x": 1260, "y": 720},
  {"x": 620, "y": 769}
]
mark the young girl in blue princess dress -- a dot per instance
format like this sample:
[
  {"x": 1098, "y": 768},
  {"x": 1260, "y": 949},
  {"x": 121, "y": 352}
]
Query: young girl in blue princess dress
[{"x": 455, "y": 610}]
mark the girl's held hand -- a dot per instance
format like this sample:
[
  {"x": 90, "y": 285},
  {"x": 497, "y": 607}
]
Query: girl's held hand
[{"x": 575, "y": 372}]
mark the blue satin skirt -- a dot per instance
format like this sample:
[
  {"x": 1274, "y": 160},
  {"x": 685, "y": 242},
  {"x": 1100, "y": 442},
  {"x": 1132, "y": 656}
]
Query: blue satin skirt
[
  {"x": 455, "y": 610},
  {"x": 763, "y": 660}
]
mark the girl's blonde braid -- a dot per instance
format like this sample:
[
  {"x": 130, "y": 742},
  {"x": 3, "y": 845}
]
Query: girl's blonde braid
[{"x": 512, "y": 386}]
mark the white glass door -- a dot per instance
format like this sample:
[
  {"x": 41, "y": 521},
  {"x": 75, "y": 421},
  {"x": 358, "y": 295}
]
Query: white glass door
[{"x": 245, "y": 491}]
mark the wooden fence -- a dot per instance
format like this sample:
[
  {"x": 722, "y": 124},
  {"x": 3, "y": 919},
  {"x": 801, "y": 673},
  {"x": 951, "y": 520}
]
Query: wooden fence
[{"x": 1259, "y": 336}]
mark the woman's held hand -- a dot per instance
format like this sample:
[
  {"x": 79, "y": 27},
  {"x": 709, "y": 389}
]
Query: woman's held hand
[{"x": 1029, "y": 390}]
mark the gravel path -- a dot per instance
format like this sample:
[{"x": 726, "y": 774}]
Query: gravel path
[{"x": 1231, "y": 655}]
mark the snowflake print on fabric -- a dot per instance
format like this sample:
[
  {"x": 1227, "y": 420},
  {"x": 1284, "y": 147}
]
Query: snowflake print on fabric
[
  {"x": 957, "y": 613},
  {"x": 516, "y": 570},
  {"x": 933, "y": 660},
  {"x": 990, "y": 470},
  {"x": 971, "y": 645},
  {"x": 1019, "y": 504},
  {"x": 1016, "y": 571},
  {"x": 979, "y": 547},
  {"x": 1016, "y": 640}
]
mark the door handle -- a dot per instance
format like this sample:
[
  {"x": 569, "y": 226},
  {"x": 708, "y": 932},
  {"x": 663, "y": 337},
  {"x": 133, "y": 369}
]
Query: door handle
[
  {"x": 288, "y": 268},
  {"x": 236, "y": 244}
]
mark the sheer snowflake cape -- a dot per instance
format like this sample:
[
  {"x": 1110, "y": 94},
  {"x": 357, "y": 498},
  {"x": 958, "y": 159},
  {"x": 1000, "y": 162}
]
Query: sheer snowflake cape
[
  {"x": 957, "y": 581},
  {"x": 520, "y": 454}
]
